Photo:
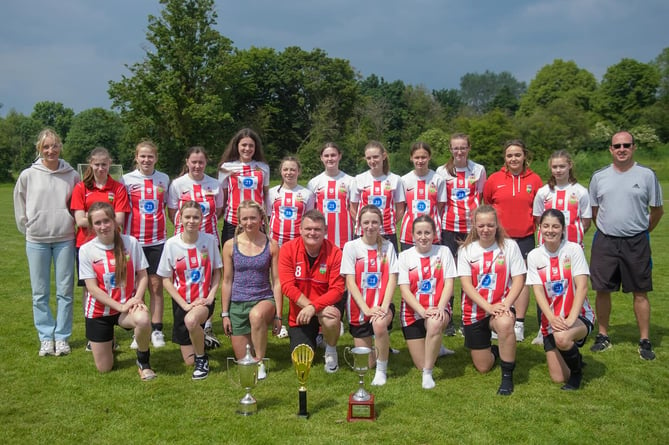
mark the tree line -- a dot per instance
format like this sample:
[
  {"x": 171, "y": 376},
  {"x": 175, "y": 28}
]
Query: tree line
[{"x": 193, "y": 87}]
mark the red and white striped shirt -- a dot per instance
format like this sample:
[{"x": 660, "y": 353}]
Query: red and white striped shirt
[
  {"x": 96, "y": 260},
  {"x": 555, "y": 271},
  {"x": 372, "y": 271},
  {"x": 463, "y": 193},
  {"x": 491, "y": 271},
  {"x": 206, "y": 192},
  {"x": 383, "y": 192},
  {"x": 425, "y": 274},
  {"x": 572, "y": 200},
  {"x": 288, "y": 206},
  {"x": 423, "y": 194},
  {"x": 190, "y": 265},
  {"x": 333, "y": 198},
  {"x": 244, "y": 182},
  {"x": 148, "y": 196}
]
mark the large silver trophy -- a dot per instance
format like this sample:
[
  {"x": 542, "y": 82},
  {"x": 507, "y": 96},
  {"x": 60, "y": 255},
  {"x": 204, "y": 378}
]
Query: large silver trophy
[
  {"x": 361, "y": 402},
  {"x": 247, "y": 367}
]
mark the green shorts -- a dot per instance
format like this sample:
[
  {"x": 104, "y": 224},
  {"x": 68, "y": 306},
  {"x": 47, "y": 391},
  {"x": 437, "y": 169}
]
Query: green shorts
[{"x": 239, "y": 315}]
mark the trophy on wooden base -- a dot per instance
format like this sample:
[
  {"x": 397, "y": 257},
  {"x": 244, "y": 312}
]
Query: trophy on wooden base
[
  {"x": 360, "y": 403},
  {"x": 302, "y": 357}
]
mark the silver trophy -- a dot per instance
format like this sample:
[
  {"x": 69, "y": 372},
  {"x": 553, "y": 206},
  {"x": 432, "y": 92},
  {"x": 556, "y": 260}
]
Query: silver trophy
[
  {"x": 247, "y": 367},
  {"x": 360, "y": 403}
]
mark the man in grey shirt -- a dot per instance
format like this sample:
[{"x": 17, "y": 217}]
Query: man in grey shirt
[{"x": 626, "y": 203}]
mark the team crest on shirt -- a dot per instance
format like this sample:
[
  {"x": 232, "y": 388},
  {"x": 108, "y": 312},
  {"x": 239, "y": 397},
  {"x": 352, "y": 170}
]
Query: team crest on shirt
[
  {"x": 472, "y": 179},
  {"x": 573, "y": 199},
  {"x": 204, "y": 253},
  {"x": 110, "y": 197},
  {"x": 426, "y": 269},
  {"x": 342, "y": 188},
  {"x": 112, "y": 262},
  {"x": 528, "y": 188},
  {"x": 554, "y": 270},
  {"x": 372, "y": 262},
  {"x": 437, "y": 264},
  {"x": 193, "y": 261},
  {"x": 387, "y": 185},
  {"x": 322, "y": 269},
  {"x": 331, "y": 191},
  {"x": 433, "y": 188},
  {"x": 560, "y": 202},
  {"x": 567, "y": 262},
  {"x": 500, "y": 260}
]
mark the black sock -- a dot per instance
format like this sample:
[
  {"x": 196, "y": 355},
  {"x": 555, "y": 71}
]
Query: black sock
[
  {"x": 573, "y": 359},
  {"x": 156, "y": 326},
  {"x": 506, "y": 387},
  {"x": 495, "y": 351},
  {"x": 539, "y": 316},
  {"x": 143, "y": 358},
  {"x": 521, "y": 320}
]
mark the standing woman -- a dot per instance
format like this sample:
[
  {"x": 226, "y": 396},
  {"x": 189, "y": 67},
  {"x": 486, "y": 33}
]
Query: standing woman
[
  {"x": 511, "y": 192},
  {"x": 381, "y": 188},
  {"x": 114, "y": 269},
  {"x": 250, "y": 301},
  {"x": 369, "y": 264},
  {"x": 558, "y": 272},
  {"x": 244, "y": 175},
  {"x": 564, "y": 193},
  {"x": 288, "y": 202},
  {"x": 41, "y": 207},
  {"x": 333, "y": 196},
  {"x": 195, "y": 185},
  {"x": 190, "y": 268},
  {"x": 465, "y": 180},
  {"x": 492, "y": 275},
  {"x": 425, "y": 193},
  {"x": 426, "y": 275},
  {"x": 147, "y": 191}
]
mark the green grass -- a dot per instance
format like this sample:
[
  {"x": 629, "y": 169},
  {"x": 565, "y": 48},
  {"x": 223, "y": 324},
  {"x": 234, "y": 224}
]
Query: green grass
[{"x": 64, "y": 400}]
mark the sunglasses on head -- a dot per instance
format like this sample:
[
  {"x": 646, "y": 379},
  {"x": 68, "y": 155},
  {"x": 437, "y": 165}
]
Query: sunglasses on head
[{"x": 625, "y": 145}]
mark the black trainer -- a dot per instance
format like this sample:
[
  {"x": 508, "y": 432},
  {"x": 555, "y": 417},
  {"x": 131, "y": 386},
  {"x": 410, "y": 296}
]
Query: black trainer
[
  {"x": 602, "y": 343},
  {"x": 646, "y": 349},
  {"x": 201, "y": 368}
]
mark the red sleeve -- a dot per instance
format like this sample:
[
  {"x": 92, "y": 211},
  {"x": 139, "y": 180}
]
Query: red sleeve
[
  {"x": 121, "y": 203},
  {"x": 78, "y": 197},
  {"x": 487, "y": 189},
  {"x": 287, "y": 271},
  {"x": 336, "y": 283}
]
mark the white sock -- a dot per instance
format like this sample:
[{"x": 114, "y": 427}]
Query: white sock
[
  {"x": 330, "y": 349},
  {"x": 428, "y": 381},
  {"x": 380, "y": 375},
  {"x": 207, "y": 324}
]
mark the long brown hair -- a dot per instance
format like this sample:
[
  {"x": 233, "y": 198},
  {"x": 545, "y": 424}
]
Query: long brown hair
[
  {"x": 556, "y": 155},
  {"x": 89, "y": 176},
  {"x": 120, "y": 260},
  {"x": 379, "y": 145},
  {"x": 193, "y": 150},
  {"x": 371, "y": 208},
  {"x": 450, "y": 165},
  {"x": 231, "y": 152},
  {"x": 526, "y": 152}
]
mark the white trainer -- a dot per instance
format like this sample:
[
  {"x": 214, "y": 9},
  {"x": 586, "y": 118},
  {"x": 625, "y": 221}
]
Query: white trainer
[
  {"x": 157, "y": 339},
  {"x": 539, "y": 339},
  {"x": 62, "y": 348},
  {"x": 46, "y": 348},
  {"x": 519, "y": 329}
]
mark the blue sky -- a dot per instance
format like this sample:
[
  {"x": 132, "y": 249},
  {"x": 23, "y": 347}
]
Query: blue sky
[{"x": 68, "y": 50}]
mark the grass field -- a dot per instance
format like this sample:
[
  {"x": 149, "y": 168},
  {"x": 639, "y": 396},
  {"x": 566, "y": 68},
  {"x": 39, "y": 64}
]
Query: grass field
[{"x": 64, "y": 400}]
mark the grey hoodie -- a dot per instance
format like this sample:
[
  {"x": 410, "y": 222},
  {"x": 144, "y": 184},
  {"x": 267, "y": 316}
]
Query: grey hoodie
[{"x": 42, "y": 202}]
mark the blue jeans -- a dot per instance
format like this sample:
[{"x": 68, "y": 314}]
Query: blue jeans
[{"x": 40, "y": 256}]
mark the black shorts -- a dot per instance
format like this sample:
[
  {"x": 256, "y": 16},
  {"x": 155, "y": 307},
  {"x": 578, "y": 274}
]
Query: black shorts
[
  {"x": 479, "y": 335},
  {"x": 453, "y": 240},
  {"x": 101, "y": 329},
  {"x": 307, "y": 333},
  {"x": 392, "y": 238},
  {"x": 526, "y": 245},
  {"x": 153, "y": 254},
  {"x": 405, "y": 246},
  {"x": 80, "y": 282},
  {"x": 366, "y": 330},
  {"x": 179, "y": 331},
  {"x": 621, "y": 260},
  {"x": 549, "y": 340},
  {"x": 227, "y": 232},
  {"x": 415, "y": 330}
]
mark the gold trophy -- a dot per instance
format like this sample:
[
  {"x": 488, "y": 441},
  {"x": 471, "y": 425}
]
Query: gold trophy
[
  {"x": 361, "y": 402},
  {"x": 302, "y": 357}
]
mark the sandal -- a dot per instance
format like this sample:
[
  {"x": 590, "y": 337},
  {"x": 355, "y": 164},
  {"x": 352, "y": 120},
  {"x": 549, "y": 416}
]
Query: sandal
[{"x": 145, "y": 372}]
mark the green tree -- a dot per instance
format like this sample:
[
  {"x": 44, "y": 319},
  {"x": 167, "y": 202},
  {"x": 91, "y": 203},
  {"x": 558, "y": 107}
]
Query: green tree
[
  {"x": 450, "y": 101},
  {"x": 18, "y": 134},
  {"x": 177, "y": 95},
  {"x": 559, "y": 80},
  {"x": 479, "y": 90},
  {"x": 388, "y": 96},
  {"x": 487, "y": 134},
  {"x": 661, "y": 62},
  {"x": 54, "y": 115},
  {"x": 97, "y": 127},
  {"x": 626, "y": 89}
]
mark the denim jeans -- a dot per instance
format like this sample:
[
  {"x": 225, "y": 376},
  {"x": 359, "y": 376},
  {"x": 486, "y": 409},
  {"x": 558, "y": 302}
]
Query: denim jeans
[{"x": 40, "y": 256}]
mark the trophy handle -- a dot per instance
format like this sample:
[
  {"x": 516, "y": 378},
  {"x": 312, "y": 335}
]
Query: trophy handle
[
  {"x": 227, "y": 365},
  {"x": 347, "y": 353}
]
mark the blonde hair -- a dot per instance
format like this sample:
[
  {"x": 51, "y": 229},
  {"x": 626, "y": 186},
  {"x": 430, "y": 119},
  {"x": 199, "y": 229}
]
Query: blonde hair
[
  {"x": 500, "y": 233},
  {"x": 250, "y": 204},
  {"x": 41, "y": 137},
  {"x": 148, "y": 143}
]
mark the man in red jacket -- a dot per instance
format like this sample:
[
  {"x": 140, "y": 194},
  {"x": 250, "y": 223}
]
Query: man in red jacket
[{"x": 309, "y": 274}]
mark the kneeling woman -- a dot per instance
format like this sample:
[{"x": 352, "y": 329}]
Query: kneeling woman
[
  {"x": 113, "y": 267},
  {"x": 249, "y": 300},
  {"x": 369, "y": 265},
  {"x": 492, "y": 274},
  {"x": 191, "y": 269},
  {"x": 426, "y": 273},
  {"x": 558, "y": 273}
]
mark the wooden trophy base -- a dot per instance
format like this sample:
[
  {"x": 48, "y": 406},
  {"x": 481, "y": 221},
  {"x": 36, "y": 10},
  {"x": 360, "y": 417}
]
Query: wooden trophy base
[{"x": 358, "y": 410}]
